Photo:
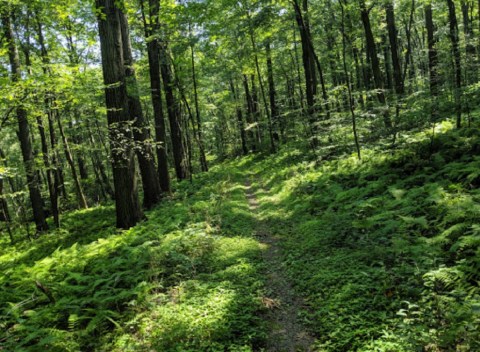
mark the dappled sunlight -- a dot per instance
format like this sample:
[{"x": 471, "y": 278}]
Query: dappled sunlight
[
  {"x": 371, "y": 233},
  {"x": 196, "y": 251}
]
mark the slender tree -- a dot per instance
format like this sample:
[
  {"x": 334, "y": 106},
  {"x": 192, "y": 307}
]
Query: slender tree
[
  {"x": 152, "y": 28},
  {"x": 375, "y": 63},
  {"x": 392, "y": 36},
  {"x": 173, "y": 111},
  {"x": 457, "y": 66},
  {"x": 24, "y": 134},
  {"x": 432, "y": 58}
]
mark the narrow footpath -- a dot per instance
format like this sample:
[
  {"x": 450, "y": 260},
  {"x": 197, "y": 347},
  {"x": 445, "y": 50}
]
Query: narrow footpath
[{"x": 286, "y": 333}]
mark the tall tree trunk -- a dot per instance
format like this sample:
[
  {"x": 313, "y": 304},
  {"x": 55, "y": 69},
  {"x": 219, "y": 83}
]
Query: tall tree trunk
[
  {"x": 432, "y": 59},
  {"x": 387, "y": 61},
  {"x": 24, "y": 130},
  {"x": 453, "y": 26},
  {"x": 349, "y": 86},
  {"x": 309, "y": 70},
  {"x": 392, "y": 36},
  {"x": 52, "y": 191},
  {"x": 272, "y": 92},
  {"x": 469, "y": 47},
  {"x": 250, "y": 112},
  {"x": 262, "y": 89},
  {"x": 144, "y": 151},
  {"x": 58, "y": 175},
  {"x": 151, "y": 27},
  {"x": 179, "y": 155},
  {"x": 256, "y": 112},
  {"x": 128, "y": 208},
  {"x": 372, "y": 54},
  {"x": 296, "y": 61},
  {"x": 409, "y": 64},
  {"x": 203, "y": 158},
  {"x": 52, "y": 182},
  {"x": 240, "y": 122}
]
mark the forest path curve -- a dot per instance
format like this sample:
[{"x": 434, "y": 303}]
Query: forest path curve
[{"x": 285, "y": 332}]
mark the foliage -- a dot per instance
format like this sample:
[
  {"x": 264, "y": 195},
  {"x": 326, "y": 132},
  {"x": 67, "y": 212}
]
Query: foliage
[
  {"x": 186, "y": 279},
  {"x": 385, "y": 251}
]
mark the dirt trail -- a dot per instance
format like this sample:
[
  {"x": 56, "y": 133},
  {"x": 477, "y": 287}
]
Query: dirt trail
[{"x": 286, "y": 334}]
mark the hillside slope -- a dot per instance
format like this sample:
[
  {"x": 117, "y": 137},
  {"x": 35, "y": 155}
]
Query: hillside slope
[{"x": 378, "y": 255}]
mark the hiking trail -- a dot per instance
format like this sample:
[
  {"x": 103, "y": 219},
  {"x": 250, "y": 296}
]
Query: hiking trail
[{"x": 286, "y": 333}]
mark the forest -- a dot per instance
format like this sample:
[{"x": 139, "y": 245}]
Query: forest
[{"x": 240, "y": 175}]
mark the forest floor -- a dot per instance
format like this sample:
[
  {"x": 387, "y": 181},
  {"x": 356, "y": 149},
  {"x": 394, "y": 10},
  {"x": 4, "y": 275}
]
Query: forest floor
[
  {"x": 280, "y": 252},
  {"x": 285, "y": 332}
]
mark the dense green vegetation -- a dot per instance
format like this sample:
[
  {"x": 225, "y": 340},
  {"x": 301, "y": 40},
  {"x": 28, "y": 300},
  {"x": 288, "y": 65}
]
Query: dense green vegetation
[
  {"x": 384, "y": 251},
  {"x": 186, "y": 279},
  {"x": 240, "y": 175}
]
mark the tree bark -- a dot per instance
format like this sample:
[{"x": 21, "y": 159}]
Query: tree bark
[
  {"x": 272, "y": 93},
  {"x": 24, "y": 130},
  {"x": 250, "y": 112},
  {"x": 432, "y": 59},
  {"x": 128, "y": 210},
  {"x": 309, "y": 71},
  {"x": 454, "y": 38},
  {"x": 392, "y": 36},
  {"x": 144, "y": 151},
  {"x": 203, "y": 158},
  {"x": 179, "y": 155},
  {"x": 240, "y": 122},
  {"x": 151, "y": 28},
  {"x": 260, "y": 81},
  {"x": 349, "y": 86},
  {"x": 47, "y": 155},
  {"x": 375, "y": 64}
]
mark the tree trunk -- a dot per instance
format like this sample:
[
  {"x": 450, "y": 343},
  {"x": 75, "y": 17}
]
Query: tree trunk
[
  {"x": 256, "y": 112},
  {"x": 176, "y": 133},
  {"x": 272, "y": 93},
  {"x": 52, "y": 182},
  {"x": 156, "y": 89},
  {"x": 375, "y": 64},
  {"x": 241, "y": 124},
  {"x": 262, "y": 89},
  {"x": 432, "y": 59},
  {"x": 128, "y": 208},
  {"x": 309, "y": 70},
  {"x": 453, "y": 26},
  {"x": 349, "y": 86},
  {"x": 146, "y": 161},
  {"x": 250, "y": 112},
  {"x": 392, "y": 36},
  {"x": 24, "y": 130},
  {"x": 203, "y": 158}
]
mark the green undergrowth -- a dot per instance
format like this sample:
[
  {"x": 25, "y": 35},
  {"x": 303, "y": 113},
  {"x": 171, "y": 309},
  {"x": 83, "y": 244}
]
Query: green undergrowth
[
  {"x": 385, "y": 251},
  {"x": 187, "y": 279}
]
